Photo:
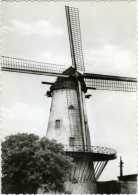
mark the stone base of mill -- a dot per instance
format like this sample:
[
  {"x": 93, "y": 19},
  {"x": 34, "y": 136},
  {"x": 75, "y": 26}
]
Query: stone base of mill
[{"x": 81, "y": 188}]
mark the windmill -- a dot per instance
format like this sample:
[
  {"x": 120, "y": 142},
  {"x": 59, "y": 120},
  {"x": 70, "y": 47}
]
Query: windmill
[{"x": 68, "y": 121}]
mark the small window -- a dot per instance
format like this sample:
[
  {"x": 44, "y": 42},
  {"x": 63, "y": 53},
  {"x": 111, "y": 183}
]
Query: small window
[
  {"x": 71, "y": 141},
  {"x": 57, "y": 124},
  {"x": 71, "y": 107}
]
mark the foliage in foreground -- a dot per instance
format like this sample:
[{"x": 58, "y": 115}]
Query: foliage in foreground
[{"x": 28, "y": 162}]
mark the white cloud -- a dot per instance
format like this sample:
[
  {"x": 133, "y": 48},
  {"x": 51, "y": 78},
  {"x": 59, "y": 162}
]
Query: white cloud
[
  {"x": 5, "y": 29},
  {"x": 23, "y": 117},
  {"x": 111, "y": 59},
  {"x": 40, "y": 27},
  {"x": 17, "y": 111},
  {"x": 58, "y": 58}
]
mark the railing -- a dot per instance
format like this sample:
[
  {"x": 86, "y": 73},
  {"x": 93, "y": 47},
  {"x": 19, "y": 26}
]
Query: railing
[{"x": 92, "y": 149}]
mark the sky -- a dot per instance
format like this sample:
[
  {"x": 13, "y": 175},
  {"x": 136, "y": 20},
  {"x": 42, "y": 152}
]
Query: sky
[{"x": 38, "y": 31}]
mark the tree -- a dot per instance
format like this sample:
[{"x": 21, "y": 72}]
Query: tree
[{"x": 28, "y": 162}]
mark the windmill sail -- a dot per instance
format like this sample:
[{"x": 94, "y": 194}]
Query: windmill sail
[
  {"x": 31, "y": 67},
  {"x": 74, "y": 31},
  {"x": 108, "y": 82}
]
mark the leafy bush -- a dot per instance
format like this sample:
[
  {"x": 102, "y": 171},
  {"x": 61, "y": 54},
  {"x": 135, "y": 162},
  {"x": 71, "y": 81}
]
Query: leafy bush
[{"x": 29, "y": 162}]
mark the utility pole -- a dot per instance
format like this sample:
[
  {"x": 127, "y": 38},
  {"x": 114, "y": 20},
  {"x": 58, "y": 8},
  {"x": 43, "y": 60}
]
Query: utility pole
[{"x": 121, "y": 167}]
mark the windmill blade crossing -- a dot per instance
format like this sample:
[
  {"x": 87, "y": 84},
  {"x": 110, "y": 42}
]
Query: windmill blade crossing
[
  {"x": 108, "y": 82},
  {"x": 74, "y": 32},
  {"x": 12, "y": 64}
]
